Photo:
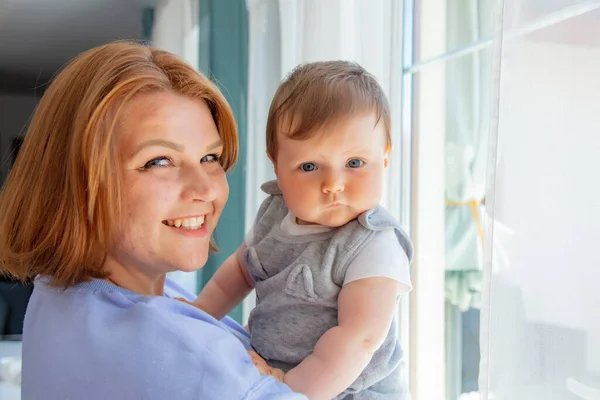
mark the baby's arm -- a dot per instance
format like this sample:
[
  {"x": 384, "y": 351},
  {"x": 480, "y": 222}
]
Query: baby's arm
[
  {"x": 366, "y": 308},
  {"x": 227, "y": 288}
]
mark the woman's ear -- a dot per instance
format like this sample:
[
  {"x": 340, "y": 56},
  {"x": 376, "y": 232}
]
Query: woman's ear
[{"x": 386, "y": 156}]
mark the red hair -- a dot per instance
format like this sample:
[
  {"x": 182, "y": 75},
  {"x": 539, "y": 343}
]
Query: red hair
[{"x": 62, "y": 197}]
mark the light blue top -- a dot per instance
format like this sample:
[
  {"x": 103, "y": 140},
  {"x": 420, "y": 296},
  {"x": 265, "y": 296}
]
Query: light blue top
[{"x": 98, "y": 341}]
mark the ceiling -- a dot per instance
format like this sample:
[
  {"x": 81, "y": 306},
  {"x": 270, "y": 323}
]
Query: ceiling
[{"x": 37, "y": 37}]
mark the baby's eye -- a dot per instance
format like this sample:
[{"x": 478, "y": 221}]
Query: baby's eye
[
  {"x": 210, "y": 158},
  {"x": 158, "y": 162},
  {"x": 355, "y": 163},
  {"x": 308, "y": 167}
]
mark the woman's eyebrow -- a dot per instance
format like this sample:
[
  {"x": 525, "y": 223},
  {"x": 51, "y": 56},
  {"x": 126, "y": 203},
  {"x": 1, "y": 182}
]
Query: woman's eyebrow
[
  {"x": 215, "y": 145},
  {"x": 159, "y": 142}
]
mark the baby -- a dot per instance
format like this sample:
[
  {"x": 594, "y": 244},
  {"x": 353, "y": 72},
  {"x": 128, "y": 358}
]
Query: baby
[{"x": 327, "y": 261}]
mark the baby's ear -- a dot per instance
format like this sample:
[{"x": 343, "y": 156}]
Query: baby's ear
[
  {"x": 273, "y": 161},
  {"x": 386, "y": 156}
]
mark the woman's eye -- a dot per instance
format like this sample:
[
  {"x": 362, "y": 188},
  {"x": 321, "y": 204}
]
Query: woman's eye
[
  {"x": 210, "y": 158},
  {"x": 158, "y": 162},
  {"x": 355, "y": 163},
  {"x": 308, "y": 167}
]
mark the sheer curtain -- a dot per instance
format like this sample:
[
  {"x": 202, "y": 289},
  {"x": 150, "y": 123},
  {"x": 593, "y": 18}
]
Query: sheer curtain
[
  {"x": 467, "y": 93},
  {"x": 541, "y": 315},
  {"x": 285, "y": 33},
  {"x": 175, "y": 29}
]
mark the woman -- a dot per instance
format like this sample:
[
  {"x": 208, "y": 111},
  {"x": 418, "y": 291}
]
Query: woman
[{"x": 121, "y": 179}]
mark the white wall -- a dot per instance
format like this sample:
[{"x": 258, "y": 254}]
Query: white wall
[{"x": 15, "y": 113}]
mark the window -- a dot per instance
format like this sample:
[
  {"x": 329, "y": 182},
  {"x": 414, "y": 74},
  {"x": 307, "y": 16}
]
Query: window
[
  {"x": 446, "y": 70},
  {"x": 541, "y": 343}
]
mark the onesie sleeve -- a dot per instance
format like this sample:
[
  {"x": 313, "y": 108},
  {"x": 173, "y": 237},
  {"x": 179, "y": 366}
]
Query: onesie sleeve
[{"x": 383, "y": 257}]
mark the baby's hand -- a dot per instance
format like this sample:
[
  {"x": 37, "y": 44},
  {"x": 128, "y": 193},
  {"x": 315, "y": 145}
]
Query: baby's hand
[{"x": 264, "y": 368}]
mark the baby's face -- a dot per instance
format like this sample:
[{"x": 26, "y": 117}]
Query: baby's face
[{"x": 335, "y": 175}]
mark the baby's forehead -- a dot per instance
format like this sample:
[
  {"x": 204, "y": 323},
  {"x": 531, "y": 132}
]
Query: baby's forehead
[
  {"x": 299, "y": 127},
  {"x": 357, "y": 134}
]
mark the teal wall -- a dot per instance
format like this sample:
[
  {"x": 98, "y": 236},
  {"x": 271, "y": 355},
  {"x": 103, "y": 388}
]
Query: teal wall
[
  {"x": 147, "y": 22},
  {"x": 224, "y": 58}
]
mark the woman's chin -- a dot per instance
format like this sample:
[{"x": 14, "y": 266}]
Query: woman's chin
[{"x": 192, "y": 264}]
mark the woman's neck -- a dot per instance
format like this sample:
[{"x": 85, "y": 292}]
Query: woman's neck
[{"x": 135, "y": 280}]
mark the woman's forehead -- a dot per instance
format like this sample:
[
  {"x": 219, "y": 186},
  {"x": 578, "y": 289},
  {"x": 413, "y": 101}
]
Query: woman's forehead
[
  {"x": 166, "y": 115},
  {"x": 160, "y": 106}
]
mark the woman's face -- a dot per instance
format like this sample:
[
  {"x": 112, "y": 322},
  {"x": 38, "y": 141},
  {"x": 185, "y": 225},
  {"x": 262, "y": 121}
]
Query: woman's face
[{"x": 174, "y": 187}]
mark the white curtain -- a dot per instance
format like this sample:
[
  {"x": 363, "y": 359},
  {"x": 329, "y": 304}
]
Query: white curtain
[
  {"x": 285, "y": 33},
  {"x": 540, "y": 331},
  {"x": 466, "y": 150},
  {"x": 175, "y": 29}
]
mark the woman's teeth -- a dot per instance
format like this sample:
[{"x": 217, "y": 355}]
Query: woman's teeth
[{"x": 187, "y": 223}]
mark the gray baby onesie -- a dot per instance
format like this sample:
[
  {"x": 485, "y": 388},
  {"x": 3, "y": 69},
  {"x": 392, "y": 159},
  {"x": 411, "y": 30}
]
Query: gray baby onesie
[{"x": 298, "y": 280}]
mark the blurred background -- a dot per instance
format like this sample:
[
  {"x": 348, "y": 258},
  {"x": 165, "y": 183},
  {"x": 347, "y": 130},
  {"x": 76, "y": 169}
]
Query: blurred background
[{"x": 495, "y": 117}]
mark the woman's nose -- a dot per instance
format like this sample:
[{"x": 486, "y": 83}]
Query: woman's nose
[{"x": 199, "y": 186}]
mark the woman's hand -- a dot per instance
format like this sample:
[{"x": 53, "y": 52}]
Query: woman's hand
[
  {"x": 264, "y": 368},
  {"x": 185, "y": 301},
  {"x": 189, "y": 302},
  {"x": 257, "y": 360}
]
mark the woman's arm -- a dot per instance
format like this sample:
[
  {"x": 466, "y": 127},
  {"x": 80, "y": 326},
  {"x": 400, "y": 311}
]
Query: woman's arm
[
  {"x": 227, "y": 288},
  {"x": 366, "y": 308}
]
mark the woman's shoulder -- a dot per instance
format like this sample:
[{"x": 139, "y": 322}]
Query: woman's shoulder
[
  {"x": 148, "y": 346},
  {"x": 99, "y": 302}
]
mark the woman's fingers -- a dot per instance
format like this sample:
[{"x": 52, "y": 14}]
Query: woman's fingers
[
  {"x": 257, "y": 360},
  {"x": 277, "y": 374},
  {"x": 264, "y": 368},
  {"x": 184, "y": 300}
]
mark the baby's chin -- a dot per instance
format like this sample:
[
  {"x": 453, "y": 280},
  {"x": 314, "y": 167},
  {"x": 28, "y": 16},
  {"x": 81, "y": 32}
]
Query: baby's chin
[{"x": 335, "y": 221}]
